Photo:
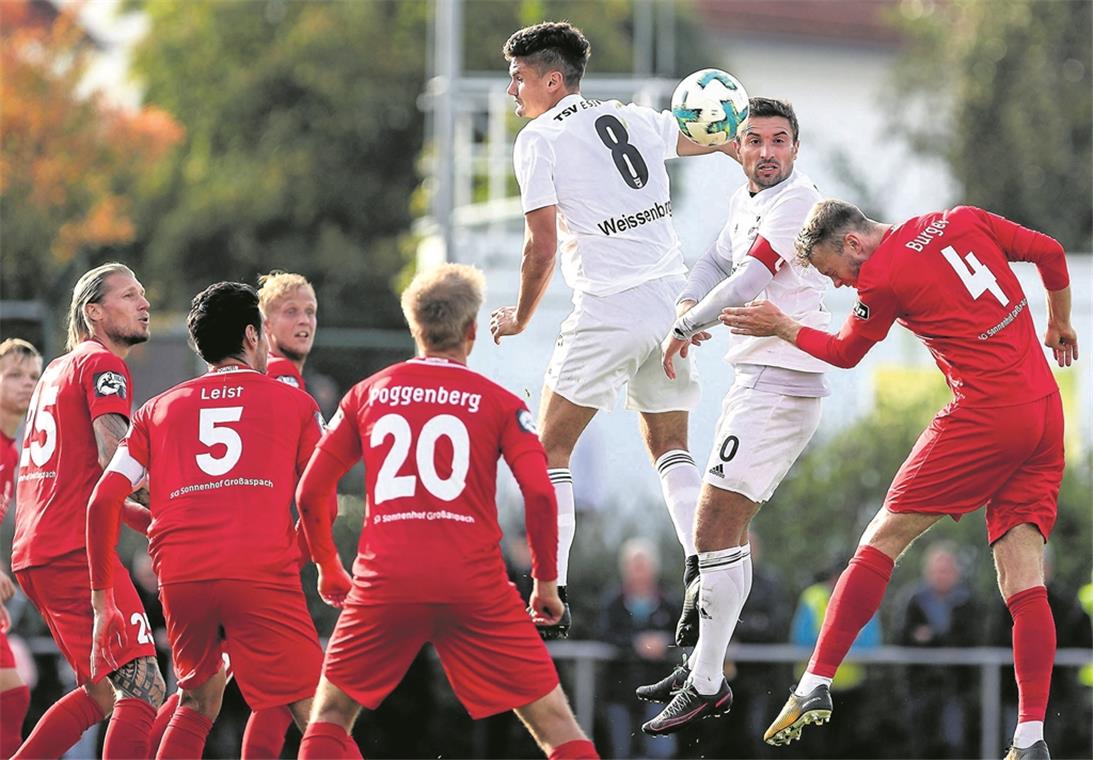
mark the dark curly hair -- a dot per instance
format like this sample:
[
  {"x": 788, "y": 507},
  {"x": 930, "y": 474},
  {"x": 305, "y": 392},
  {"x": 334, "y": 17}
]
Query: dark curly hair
[{"x": 551, "y": 45}]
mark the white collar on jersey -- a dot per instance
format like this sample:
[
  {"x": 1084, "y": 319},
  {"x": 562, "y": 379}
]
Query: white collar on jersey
[
  {"x": 566, "y": 102},
  {"x": 436, "y": 361}
]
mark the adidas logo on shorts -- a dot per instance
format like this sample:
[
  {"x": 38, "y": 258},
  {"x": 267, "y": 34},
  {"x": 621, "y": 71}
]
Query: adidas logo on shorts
[{"x": 718, "y": 470}]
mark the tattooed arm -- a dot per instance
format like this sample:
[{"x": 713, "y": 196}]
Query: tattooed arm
[{"x": 110, "y": 429}]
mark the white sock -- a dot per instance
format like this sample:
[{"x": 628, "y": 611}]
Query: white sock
[
  {"x": 808, "y": 682},
  {"x": 724, "y": 591},
  {"x": 1028, "y": 733},
  {"x": 746, "y": 560},
  {"x": 680, "y": 484},
  {"x": 567, "y": 517}
]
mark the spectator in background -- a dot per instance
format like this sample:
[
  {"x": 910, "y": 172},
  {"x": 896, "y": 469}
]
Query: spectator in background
[
  {"x": 640, "y": 620},
  {"x": 844, "y": 739},
  {"x": 939, "y": 611}
]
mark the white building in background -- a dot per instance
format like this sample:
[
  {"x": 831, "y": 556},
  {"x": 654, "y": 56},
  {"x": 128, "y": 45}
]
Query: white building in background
[{"x": 833, "y": 61}]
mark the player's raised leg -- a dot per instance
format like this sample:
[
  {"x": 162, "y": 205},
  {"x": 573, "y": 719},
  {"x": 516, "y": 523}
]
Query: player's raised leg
[
  {"x": 665, "y": 435},
  {"x": 1019, "y": 558},
  {"x": 855, "y": 600},
  {"x": 329, "y": 730},
  {"x": 561, "y": 423},
  {"x": 551, "y": 723}
]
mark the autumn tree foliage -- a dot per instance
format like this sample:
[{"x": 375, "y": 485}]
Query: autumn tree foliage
[{"x": 71, "y": 164}]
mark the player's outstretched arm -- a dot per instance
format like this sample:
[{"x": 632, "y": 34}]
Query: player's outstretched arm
[
  {"x": 763, "y": 318},
  {"x": 313, "y": 498},
  {"x": 536, "y": 269},
  {"x": 1060, "y": 336},
  {"x": 686, "y": 147}
]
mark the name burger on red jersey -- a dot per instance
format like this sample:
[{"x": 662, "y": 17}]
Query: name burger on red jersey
[
  {"x": 444, "y": 515},
  {"x": 922, "y": 275}
]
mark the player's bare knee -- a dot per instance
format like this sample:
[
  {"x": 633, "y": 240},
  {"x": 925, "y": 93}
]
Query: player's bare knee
[
  {"x": 103, "y": 694},
  {"x": 1019, "y": 560},
  {"x": 139, "y": 679},
  {"x": 301, "y": 712},
  {"x": 332, "y": 705}
]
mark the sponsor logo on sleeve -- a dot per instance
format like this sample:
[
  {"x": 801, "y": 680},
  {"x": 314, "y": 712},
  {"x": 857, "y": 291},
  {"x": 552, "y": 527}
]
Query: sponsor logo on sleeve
[
  {"x": 289, "y": 380},
  {"x": 526, "y": 423},
  {"x": 110, "y": 384},
  {"x": 320, "y": 420},
  {"x": 336, "y": 419},
  {"x": 861, "y": 311}
]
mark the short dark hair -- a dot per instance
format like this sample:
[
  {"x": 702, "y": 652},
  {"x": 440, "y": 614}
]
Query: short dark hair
[
  {"x": 772, "y": 107},
  {"x": 551, "y": 45},
  {"x": 218, "y": 320}
]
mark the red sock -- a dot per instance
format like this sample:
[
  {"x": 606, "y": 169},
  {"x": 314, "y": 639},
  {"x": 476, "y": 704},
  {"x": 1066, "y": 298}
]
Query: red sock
[
  {"x": 127, "y": 734},
  {"x": 185, "y": 736},
  {"x": 13, "y": 708},
  {"x": 264, "y": 736},
  {"x": 1033, "y": 651},
  {"x": 855, "y": 600},
  {"x": 61, "y": 726},
  {"x": 578, "y": 749},
  {"x": 323, "y": 741},
  {"x": 159, "y": 725}
]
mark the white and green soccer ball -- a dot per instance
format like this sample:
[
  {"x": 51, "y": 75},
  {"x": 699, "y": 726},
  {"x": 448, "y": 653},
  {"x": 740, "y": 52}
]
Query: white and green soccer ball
[{"x": 709, "y": 106}]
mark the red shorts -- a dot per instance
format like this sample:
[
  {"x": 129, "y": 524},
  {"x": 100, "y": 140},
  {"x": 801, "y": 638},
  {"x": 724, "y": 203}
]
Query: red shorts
[
  {"x": 265, "y": 629},
  {"x": 7, "y": 659},
  {"x": 490, "y": 651},
  {"x": 1009, "y": 458},
  {"x": 61, "y": 591}
]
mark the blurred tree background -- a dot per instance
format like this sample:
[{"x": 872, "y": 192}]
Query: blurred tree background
[{"x": 1004, "y": 93}]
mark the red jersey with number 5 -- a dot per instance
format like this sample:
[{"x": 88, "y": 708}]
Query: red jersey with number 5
[
  {"x": 222, "y": 453},
  {"x": 59, "y": 464},
  {"x": 946, "y": 277},
  {"x": 430, "y": 432}
]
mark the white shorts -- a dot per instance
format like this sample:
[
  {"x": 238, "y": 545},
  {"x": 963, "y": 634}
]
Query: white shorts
[
  {"x": 610, "y": 341},
  {"x": 759, "y": 437}
]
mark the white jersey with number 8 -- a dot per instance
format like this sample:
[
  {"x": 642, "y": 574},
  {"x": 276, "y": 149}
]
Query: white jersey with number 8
[{"x": 601, "y": 162}]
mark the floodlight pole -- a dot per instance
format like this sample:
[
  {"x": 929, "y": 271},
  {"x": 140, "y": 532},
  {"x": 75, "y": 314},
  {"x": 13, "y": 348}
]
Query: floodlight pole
[{"x": 448, "y": 46}]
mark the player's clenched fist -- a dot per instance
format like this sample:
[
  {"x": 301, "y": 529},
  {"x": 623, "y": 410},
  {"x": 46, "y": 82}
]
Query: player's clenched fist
[
  {"x": 334, "y": 583},
  {"x": 503, "y": 322}
]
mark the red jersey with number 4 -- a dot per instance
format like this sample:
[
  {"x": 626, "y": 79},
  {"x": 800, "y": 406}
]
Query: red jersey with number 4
[
  {"x": 223, "y": 453},
  {"x": 430, "y": 432},
  {"x": 59, "y": 464},
  {"x": 280, "y": 368},
  {"x": 946, "y": 277}
]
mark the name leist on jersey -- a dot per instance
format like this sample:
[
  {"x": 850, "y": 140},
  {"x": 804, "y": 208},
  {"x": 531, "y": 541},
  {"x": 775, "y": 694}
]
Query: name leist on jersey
[{"x": 568, "y": 111}]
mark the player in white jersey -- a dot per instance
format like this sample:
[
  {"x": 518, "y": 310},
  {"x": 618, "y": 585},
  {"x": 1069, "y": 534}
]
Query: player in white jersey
[
  {"x": 769, "y": 413},
  {"x": 593, "y": 183}
]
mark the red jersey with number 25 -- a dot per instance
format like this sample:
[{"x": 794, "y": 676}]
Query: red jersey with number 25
[
  {"x": 59, "y": 464},
  {"x": 430, "y": 432},
  {"x": 946, "y": 277},
  {"x": 223, "y": 453}
]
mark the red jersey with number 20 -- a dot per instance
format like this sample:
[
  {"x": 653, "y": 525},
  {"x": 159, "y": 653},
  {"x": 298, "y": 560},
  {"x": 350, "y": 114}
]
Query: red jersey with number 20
[
  {"x": 223, "y": 453},
  {"x": 946, "y": 277},
  {"x": 430, "y": 432},
  {"x": 59, "y": 465}
]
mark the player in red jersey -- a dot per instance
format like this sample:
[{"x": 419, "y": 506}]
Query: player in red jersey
[
  {"x": 79, "y": 413},
  {"x": 289, "y": 311},
  {"x": 222, "y": 538},
  {"x": 20, "y": 368},
  {"x": 946, "y": 277},
  {"x": 428, "y": 567}
]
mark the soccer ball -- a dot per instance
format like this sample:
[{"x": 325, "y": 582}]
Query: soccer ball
[{"x": 709, "y": 106}]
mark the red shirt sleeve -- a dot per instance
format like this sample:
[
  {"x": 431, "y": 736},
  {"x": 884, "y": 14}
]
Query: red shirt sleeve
[
  {"x": 342, "y": 439},
  {"x": 868, "y": 323},
  {"x": 1022, "y": 244},
  {"x": 107, "y": 386},
  {"x": 103, "y": 524},
  {"x": 843, "y": 350},
  {"x": 763, "y": 251},
  {"x": 524, "y": 454}
]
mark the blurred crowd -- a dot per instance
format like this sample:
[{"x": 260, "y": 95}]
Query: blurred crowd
[{"x": 877, "y": 705}]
